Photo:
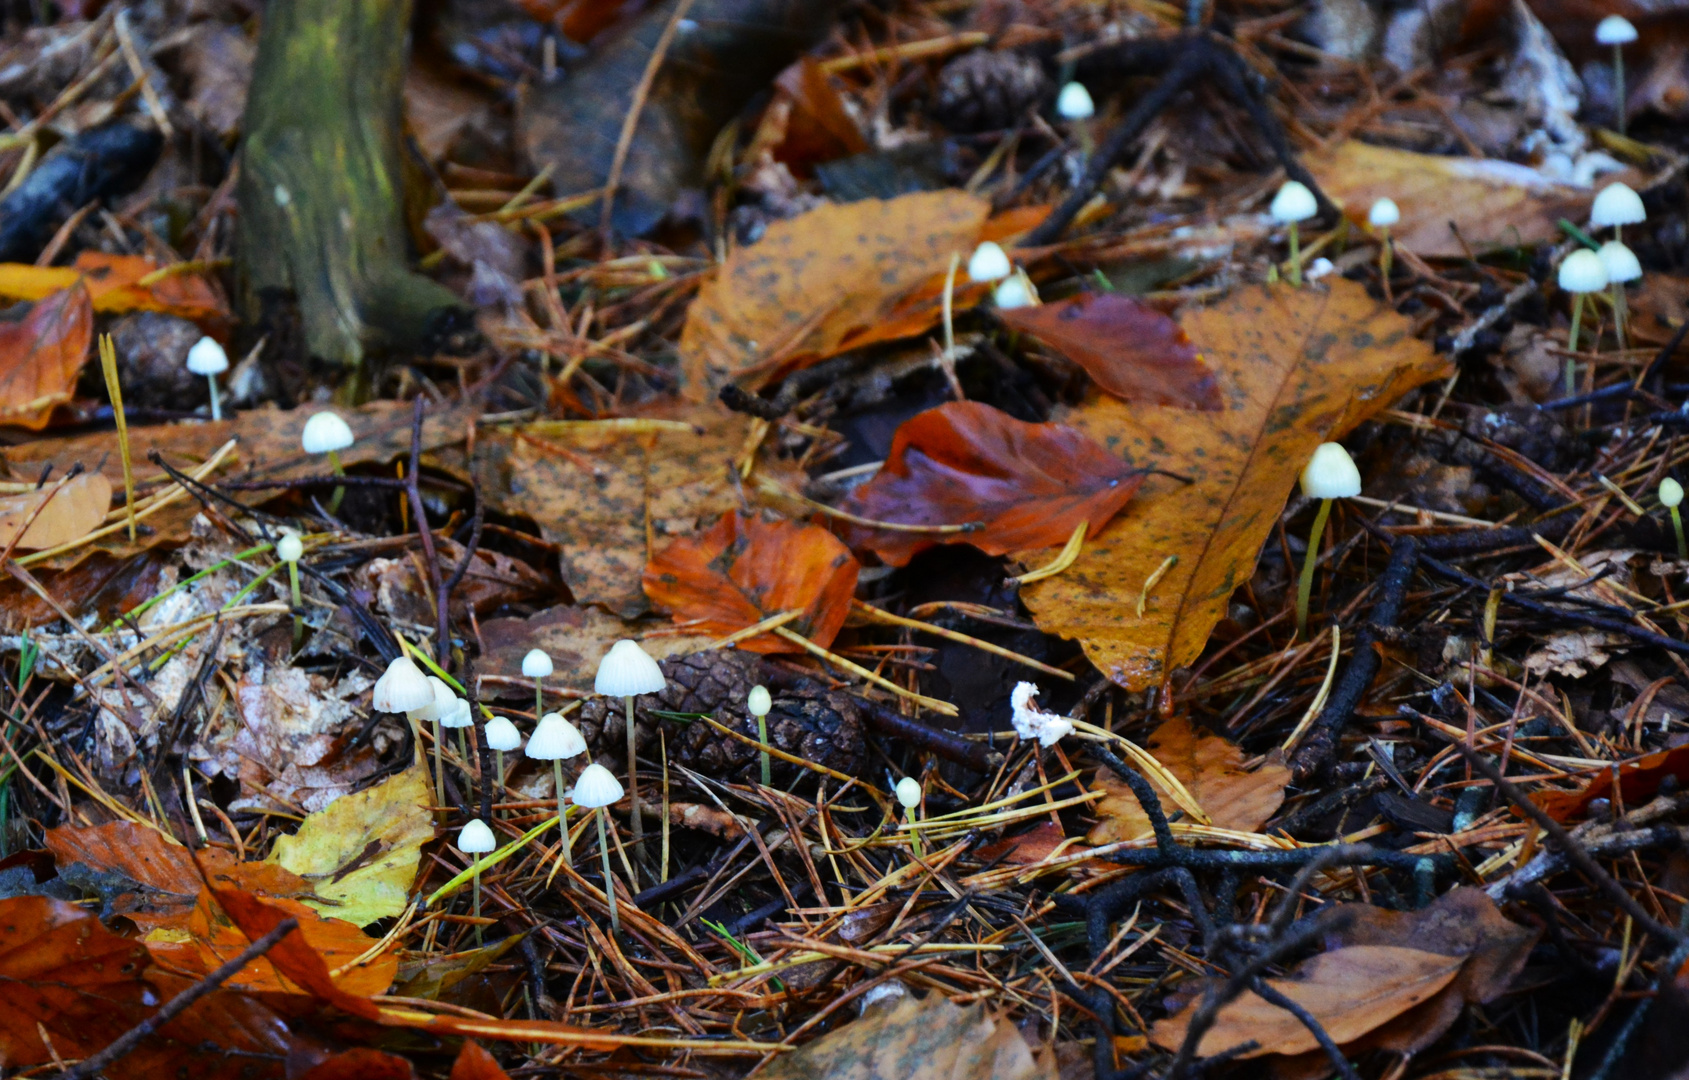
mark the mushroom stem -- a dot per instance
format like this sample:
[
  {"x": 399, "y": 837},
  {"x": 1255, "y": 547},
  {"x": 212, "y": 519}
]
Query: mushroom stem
[
  {"x": 609, "y": 882},
  {"x": 216, "y": 401},
  {"x": 767, "y": 766},
  {"x": 914, "y": 831},
  {"x": 1572, "y": 344},
  {"x": 1621, "y": 311},
  {"x": 539, "y": 698},
  {"x": 1295, "y": 257},
  {"x": 1618, "y": 85},
  {"x": 1305, "y": 585},
  {"x": 476, "y": 878},
  {"x": 298, "y": 619},
  {"x": 1677, "y": 526},
  {"x": 1386, "y": 254},
  {"x": 339, "y": 492},
  {"x": 562, "y": 819},
  {"x": 439, "y": 771},
  {"x": 633, "y": 786},
  {"x": 503, "y": 791}
]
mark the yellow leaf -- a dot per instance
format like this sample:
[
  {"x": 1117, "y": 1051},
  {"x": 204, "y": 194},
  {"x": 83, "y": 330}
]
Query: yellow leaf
[
  {"x": 1211, "y": 770},
  {"x": 360, "y": 852},
  {"x": 1296, "y": 367}
]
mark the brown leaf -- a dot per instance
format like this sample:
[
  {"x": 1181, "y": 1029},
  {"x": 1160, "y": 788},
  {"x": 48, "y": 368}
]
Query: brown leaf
[
  {"x": 1296, "y": 367},
  {"x": 1349, "y": 991},
  {"x": 920, "y": 1039},
  {"x": 68, "y": 511},
  {"x": 42, "y": 354},
  {"x": 362, "y": 1063},
  {"x": 113, "y": 285},
  {"x": 811, "y": 280},
  {"x": 1491, "y": 202},
  {"x": 1130, "y": 349},
  {"x": 595, "y": 488},
  {"x": 963, "y": 463},
  {"x": 1211, "y": 770},
  {"x": 1639, "y": 780},
  {"x": 746, "y": 568},
  {"x": 474, "y": 1063}
]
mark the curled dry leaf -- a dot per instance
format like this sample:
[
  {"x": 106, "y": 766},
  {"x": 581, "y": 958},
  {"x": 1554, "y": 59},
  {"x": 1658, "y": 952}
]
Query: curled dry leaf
[
  {"x": 68, "y": 511},
  {"x": 1349, "y": 991},
  {"x": 1130, "y": 349},
  {"x": 797, "y": 293},
  {"x": 919, "y": 1039},
  {"x": 1296, "y": 367},
  {"x": 361, "y": 851},
  {"x": 1025, "y": 485},
  {"x": 746, "y": 568},
  {"x": 1211, "y": 770},
  {"x": 42, "y": 354}
]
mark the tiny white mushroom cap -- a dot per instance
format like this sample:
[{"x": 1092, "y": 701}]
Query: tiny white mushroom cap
[
  {"x": 537, "y": 664},
  {"x": 289, "y": 548},
  {"x": 1294, "y": 202},
  {"x": 1671, "y": 493},
  {"x": 909, "y": 792},
  {"x": 456, "y": 713},
  {"x": 1013, "y": 293},
  {"x": 1331, "y": 473},
  {"x": 1619, "y": 261},
  {"x": 207, "y": 357},
  {"x": 989, "y": 262},
  {"x": 760, "y": 701},
  {"x": 597, "y": 787},
  {"x": 555, "y": 738},
  {"x": 476, "y": 838},
  {"x": 627, "y": 670},
  {"x": 1384, "y": 213},
  {"x": 1615, "y": 30},
  {"x": 325, "y": 431},
  {"x": 1074, "y": 102},
  {"x": 437, "y": 705},
  {"x": 1616, "y": 204},
  {"x": 502, "y": 734},
  {"x": 402, "y": 688},
  {"x": 1582, "y": 272}
]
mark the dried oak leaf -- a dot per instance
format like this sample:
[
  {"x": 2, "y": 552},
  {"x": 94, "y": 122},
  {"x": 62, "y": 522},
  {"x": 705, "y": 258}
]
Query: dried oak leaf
[
  {"x": 796, "y": 294},
  {"x": 56, "y": 514},
  {"x": 1296, "y": 367},
  {"x": 1491, "y": 202},
  {"x": 42, "y": 354},
  {"x": 919, "y": 1039},
  {"x": 1211, "y": 770},
  {"x": 1024, "y": 485},
  {"x": 1350, "y": 991},
  {"x": 746, "y": 568},
  {"x": 1130, "y": 349}
]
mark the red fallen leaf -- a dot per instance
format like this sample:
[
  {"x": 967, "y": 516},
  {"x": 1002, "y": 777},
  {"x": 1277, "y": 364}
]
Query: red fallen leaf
[
  {"x": 745, "y": 569},
  {"x": 1027, "y": 485},
  {"x": 1130, "y": 349},
  {"x": 362, "y": 1063},
  {"x": 474, "y": 1063},
  {"x": 1038, "y": 843},
  {"x": 1639, "y": 781},
  {"x": 41, "y": 356}
]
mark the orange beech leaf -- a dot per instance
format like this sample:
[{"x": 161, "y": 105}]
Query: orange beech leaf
[
  {"x": 1639, "y": 780},
  {"x": 1026, "y": 485},
  {"x": 744, "y": 569},
  {"x": 361, "y": 1063},
  {"x": 1130, "y": 349},
  {"x": 41, "y": 356},
  {"x": 474, "y": 1063},
  {"x": 113, "y": 283}
]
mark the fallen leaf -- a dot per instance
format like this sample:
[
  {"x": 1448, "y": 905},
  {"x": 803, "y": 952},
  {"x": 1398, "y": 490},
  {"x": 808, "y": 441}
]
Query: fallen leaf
[
  {"x": 1639, "y": 781},
  {"x": 811, "y": 280},
  {"x": 361, "y": 1063},
  {"x": 575, "y": 638},
  {"x": 1027, "y": 485},
  {"x": 1046, "y": 840},
  {"x": 746, "y": 568},
  {"x": 42, "y": 354},
  {"x": 1493, "y": 203},
  {"x": 68, "y": 511},
  {"x": 431, "y": 977},
  {"x": 114, "y": 286},
  {"x": 1211, "y": 770},
  {"x": 1573, "y": 653},
  {"x": 1349, "y": 991},
  {"x": 361, "y": 851},
  {"x": 594, "y": 488},
  {"x": 1296, "y": 367},
  {"x": 1463, "y": 922},
  {"x": 1130, "y": 349},
  {"x": 919, "y": 1039},
  {"x": 474, "y": 1063}
]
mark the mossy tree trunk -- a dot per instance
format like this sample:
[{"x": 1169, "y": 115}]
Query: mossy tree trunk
[{"x": 321, "y": 188}]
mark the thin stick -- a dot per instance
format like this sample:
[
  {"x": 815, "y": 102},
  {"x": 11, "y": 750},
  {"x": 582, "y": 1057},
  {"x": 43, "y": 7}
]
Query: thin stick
[
  {"x": 943, "y": 708},
  {"x": 630, "y": 124},
  {"x": 880, "y": 615},
  {"x": 108, "y": 367}
]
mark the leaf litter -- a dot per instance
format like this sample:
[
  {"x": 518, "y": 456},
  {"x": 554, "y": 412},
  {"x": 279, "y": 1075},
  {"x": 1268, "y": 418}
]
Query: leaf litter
[{"x": 930, "y": 488}]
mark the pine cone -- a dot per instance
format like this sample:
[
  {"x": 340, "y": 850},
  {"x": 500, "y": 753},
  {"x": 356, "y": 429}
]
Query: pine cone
[
  {"x": 808, "y": 720},
  {"x": 987, "y": 91}
]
